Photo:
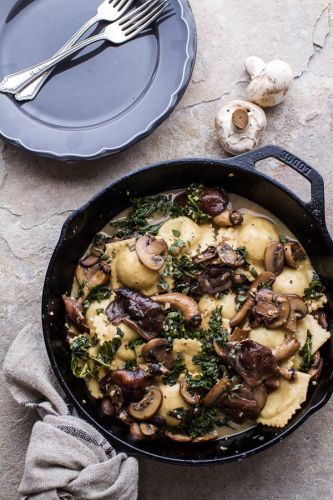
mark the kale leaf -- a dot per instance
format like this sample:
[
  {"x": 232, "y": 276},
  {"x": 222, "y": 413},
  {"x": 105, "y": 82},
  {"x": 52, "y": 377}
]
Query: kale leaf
[
  {"x": 306, "y": 353},
  {"x": 316, "y": 289},
  {"x": 192, "y": 208},
  {"x": 177, "y": 369}
]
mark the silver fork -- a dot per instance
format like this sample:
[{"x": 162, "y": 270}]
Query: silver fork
[
  {"x": 109, "y": 10},
  {"x": 121, "y": 31}
]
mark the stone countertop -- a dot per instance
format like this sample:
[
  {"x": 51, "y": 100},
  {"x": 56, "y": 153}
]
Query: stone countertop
[{"x": 36, "y": 195}]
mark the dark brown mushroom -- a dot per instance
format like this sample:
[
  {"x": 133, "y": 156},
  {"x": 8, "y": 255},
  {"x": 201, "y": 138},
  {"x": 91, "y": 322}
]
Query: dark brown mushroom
[
  {"x": 214, "y": 201},
  {"x": 150, "y": 250},
  {"x": 186, "y": 305},
  {"x": 272, "y": 384},
  {"x": 274, "y": 257},
  {"x": 99, "y": 245},
  {"x": 158, "y": 350},
  {"x": 298, "y": 310},
  {"x": 209, "y": 254},
  {"x": 215, "y": 279},
  {"x": 158, "y": 420},
  {"x": 178, "y": 438},
  {"x": 148, "y": 406},
  {"x": 74, "y": 312},
  {"x": 141, "y": 313},
  {"x": 271, "y": 308},
  {"x": 216, "y": 392},
  {"x": 252, "y": 361},
  {"x": 243, "y": 312},
  {"x": 247, "y": 403},
  {"x": 132, "y": 383},
  {"x": 316, "y": 367},
  {"x": 210, "y": 436},
  {"x": 287, "y": 349},
  {"x": 136, "y": 433},
  {"x": 192, "y": 398},
  {"x": 228, "y": 256},
  {"x": 91, "y": 277},
  {"x": 239, "y": 279},
  {"x": 293, "y": 253},
  {"x": 124, "y": 417},
  {"x": 106, "y": 409}
]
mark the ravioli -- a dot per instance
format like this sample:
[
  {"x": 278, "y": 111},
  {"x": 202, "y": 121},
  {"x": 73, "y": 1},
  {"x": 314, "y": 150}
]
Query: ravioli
[
  {"x": 172, "y": 400},
  {"x": 269, "y": 338},
  {"x": 255, "y": 234},
  {"x": 285, "y": 401},
  {"x": 207, "y": 304},
  {"x": 292, "y": 281},
  {"x": 319, "y": 335},
  {"x": 188, "y": 348},
  {"x": 182, "y": 229}
]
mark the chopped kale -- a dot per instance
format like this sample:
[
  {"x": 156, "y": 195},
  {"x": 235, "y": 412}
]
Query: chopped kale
[
  {"x": 242, "y": 252},
  {"x": 130, "y": 365},
  {"x": 306, "y": 353},
  {"x": 80, "y": 359},
  {"x": 142, "y": 210},
  {"x": 202, "y": 422},
  {"x": 212, "y": 372},
  {"x": 174, "y": 326},
  {"x": 178, "y": 368},
  {"x": 192, "y": 208},
  {"x": 134, "y": 343},
  {"x": 97, "y": 294},
  {"x": 283, "y": 238},
  {"x": 178, "y": 413},
  {"x": 316, "y": 289}
]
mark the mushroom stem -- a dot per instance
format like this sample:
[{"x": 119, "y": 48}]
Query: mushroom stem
[
  {"x": 240, "y": 118},
  {"x": 186, "y": 305},
  {"x": 287, "y": 349}
]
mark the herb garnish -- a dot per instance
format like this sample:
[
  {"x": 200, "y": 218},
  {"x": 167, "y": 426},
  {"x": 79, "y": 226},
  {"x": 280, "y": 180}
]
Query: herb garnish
[
  {"x": 177, "y": 369},
  {"x": 192, "y": 207},
  {"x": 97, "y": 294},
  {"x": 202, "y": 422},
  {"x": 306, "y": 353},
  {"x": 142, "y": 210},
  {"x": 316, "y": 289}
]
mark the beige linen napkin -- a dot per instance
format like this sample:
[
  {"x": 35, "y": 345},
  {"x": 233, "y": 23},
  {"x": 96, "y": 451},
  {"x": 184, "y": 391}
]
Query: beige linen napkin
[{"x": 67, "y": 458}]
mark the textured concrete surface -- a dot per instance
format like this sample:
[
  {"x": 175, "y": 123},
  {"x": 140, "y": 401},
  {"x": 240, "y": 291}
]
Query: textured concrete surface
[{"x": 36, "y": 195}]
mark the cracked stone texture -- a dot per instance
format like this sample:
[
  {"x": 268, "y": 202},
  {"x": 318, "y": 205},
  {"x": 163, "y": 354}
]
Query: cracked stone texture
[{"x": 36, "y": 195}]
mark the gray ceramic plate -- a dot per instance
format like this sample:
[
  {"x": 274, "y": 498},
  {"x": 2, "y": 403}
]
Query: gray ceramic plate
[{"x": 105, "y": 98}]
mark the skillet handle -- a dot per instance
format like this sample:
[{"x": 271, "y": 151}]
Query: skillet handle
[{"x": 317, "y": 204}]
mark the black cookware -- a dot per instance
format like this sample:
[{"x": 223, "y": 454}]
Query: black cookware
[{"x": 236, "y": 175}]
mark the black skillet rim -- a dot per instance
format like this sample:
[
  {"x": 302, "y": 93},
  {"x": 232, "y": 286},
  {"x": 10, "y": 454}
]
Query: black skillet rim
[{"x": 243, "y": 162}]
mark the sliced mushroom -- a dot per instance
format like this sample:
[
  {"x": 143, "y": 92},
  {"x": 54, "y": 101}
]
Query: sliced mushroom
[
  {"x": 271, "y": 308},
  {"x": 89, "y": 278},
  {"x": 186, "y": 305},
  {"x": 150, "y": 250},
  {"x": 178, "y": 438},
  {"x": 228, "y": 218},
  {"x": 148, "y": 429},
  {"x": 116, "y": 396},
  {"x": 89, "y": 261},
  {"x": 287, "y": 349},
  {"x": 229, "y": 256},
  {"x": 274, "y": 257},
  {"x": 243, "y": 312},
  {"x": 216, "y": 392},
  {"x": 316, "y": 367},
  {"x": 215, "y": 279},
  {"x": 289, "y": 375},
  {"x": 124, "y": 417},
  {"x": 136, "y": 433},
  {"x": 158, "y": 350},
  {"x": 189, "y": 397},
  {"x": 209, "y": 254},
  {"x": 132, "y": 383},
  {"x": 293, "y": 253},
  {"x": 210, "y": 436},
  {"x": 74, "y": 312},
  {"x": 106, "y": 408},
  {"x": 298, "y": 310},
  {"x": 148, "y": 406},
  {"x": 239, "y": 334},
  {"x": 247, "y": 403},
  {"x": 99, "y": 245},
  {"x": 214, "y": 201},
  {"x": 265, "y": 278}
]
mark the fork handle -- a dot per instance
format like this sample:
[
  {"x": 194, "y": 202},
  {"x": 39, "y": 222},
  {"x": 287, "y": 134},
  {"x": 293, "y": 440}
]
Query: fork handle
[
  {"x": 17, "y": 81},
  {"x": 31, "y": 90}
]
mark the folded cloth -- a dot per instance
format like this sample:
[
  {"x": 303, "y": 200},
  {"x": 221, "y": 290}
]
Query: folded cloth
[{"x": 67, "y": 458}]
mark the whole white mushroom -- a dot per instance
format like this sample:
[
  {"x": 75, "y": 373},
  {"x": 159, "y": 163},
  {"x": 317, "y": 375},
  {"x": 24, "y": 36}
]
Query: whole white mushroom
[
  {"x": 269, "y": 82},
  {"x": 240, "y": 125}
]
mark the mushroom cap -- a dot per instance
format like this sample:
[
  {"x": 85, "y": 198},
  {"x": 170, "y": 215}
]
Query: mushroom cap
[
  {"x": 270, "y": 82},
  {"x": 233, "y": 139}
]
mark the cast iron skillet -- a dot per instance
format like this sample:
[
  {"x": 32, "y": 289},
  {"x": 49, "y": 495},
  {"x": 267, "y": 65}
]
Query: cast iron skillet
[{"x": 236, "y": 175}]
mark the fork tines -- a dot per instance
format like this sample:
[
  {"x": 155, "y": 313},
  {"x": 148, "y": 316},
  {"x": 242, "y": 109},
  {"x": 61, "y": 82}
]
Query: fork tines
[{"x": 138, "y": 19}]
